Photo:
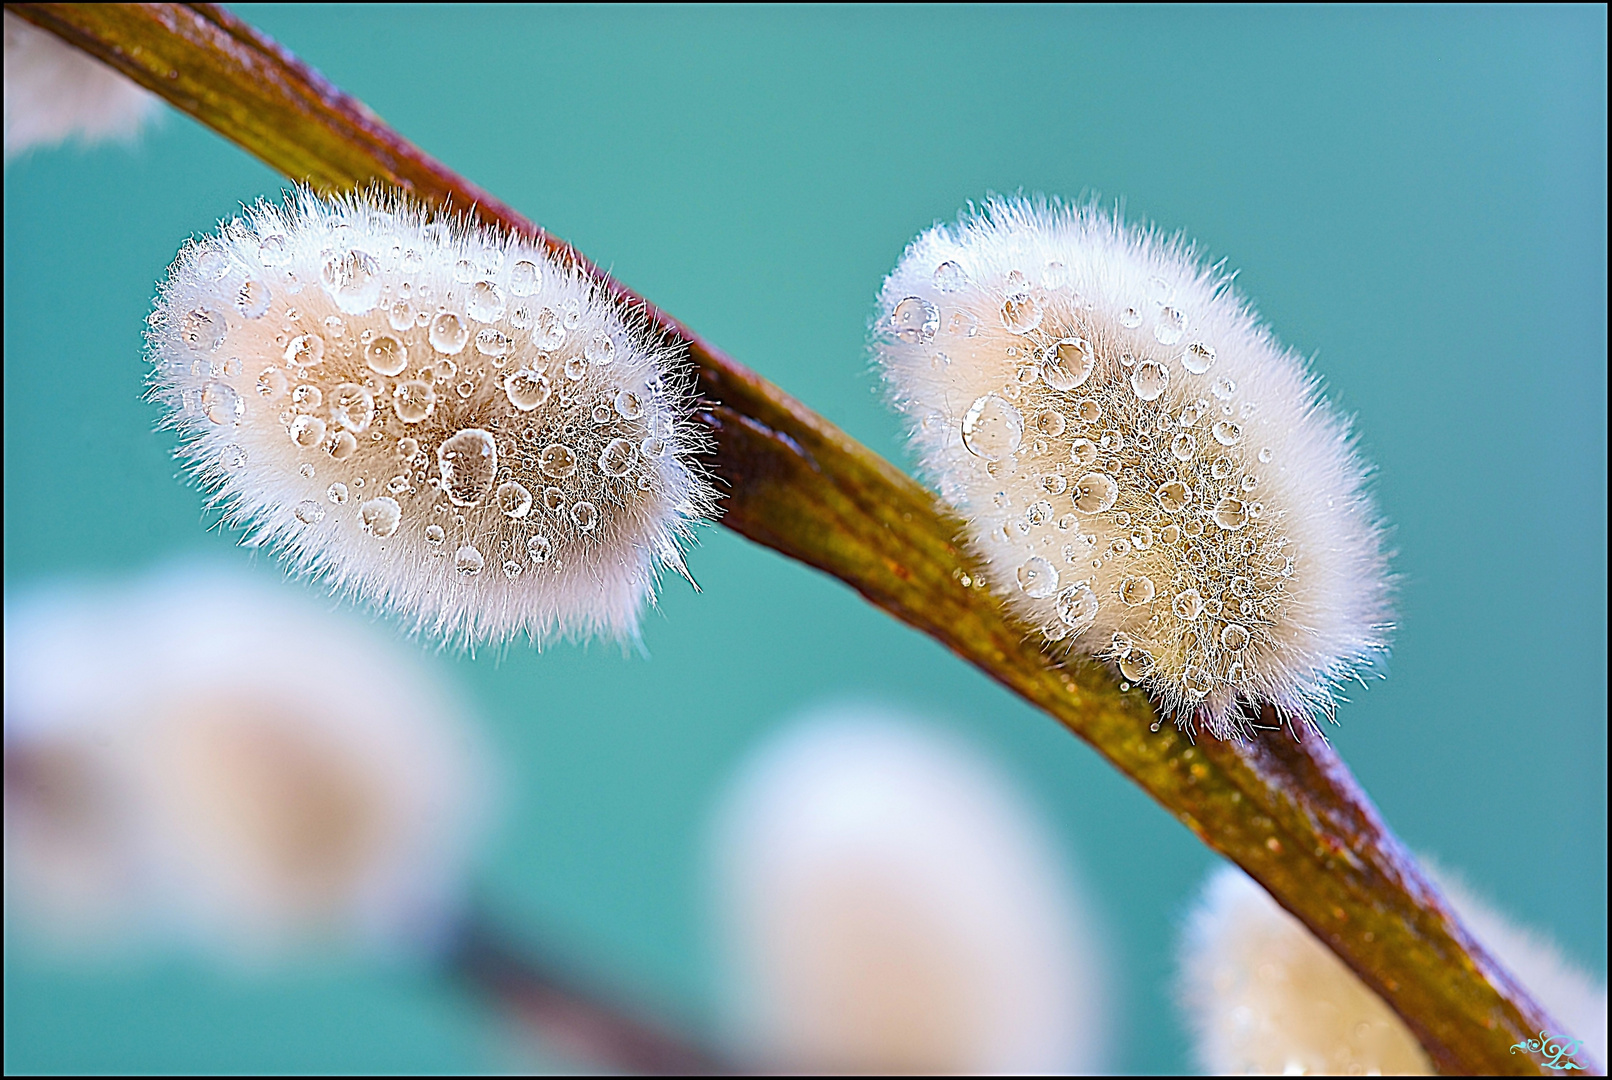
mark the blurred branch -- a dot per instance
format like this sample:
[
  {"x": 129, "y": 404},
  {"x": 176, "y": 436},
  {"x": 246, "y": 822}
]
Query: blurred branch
[
  {"x": 1284, "y": 808},
  {"x": 586, "y": 1027}
]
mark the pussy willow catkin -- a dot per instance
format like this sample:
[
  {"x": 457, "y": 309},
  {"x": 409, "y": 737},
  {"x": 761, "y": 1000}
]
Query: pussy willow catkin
[
  {"x": 1148, "y": 476},
  {"x": 445, "y": 420}
]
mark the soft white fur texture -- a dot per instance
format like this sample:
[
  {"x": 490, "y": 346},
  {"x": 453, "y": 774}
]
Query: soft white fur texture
[
  {"x": 54, "y": 91},
  {"x": 887, "y": 903},
  {"x": 1264, "y": 996},
  {"x": 1070, "y": 381},
  {"x": 200, "y": 756},
  {"x": 486, "y": 443}
]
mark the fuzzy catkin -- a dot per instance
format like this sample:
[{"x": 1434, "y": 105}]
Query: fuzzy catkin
[
  {"x": 197, "y": 757},
  {"x": 443, "y": 419},
  {"x": 54, "y": 92},
  {"x": 1149, "y": 477},
  {"x": 1263, "y": 996},
  {"x": 889, "y": 905}
]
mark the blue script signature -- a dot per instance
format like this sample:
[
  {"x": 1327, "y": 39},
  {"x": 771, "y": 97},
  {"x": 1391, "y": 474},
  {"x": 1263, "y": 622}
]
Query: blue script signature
[{"x": 1556, "y": 1053}]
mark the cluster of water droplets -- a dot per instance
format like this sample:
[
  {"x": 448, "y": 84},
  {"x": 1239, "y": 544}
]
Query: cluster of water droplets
[
  {"x": 455, "y": 399},
  {"x": 1109, "y": 472}
]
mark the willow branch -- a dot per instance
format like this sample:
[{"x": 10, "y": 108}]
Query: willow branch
[
  {"x": 589, "y": 1027},
  {"x": 1285, "y": 809}
]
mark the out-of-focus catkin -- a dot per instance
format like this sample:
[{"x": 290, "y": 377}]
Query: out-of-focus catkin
[
  {"x": 445, "y": 420},
  {"x": 1148, "y": 475}
]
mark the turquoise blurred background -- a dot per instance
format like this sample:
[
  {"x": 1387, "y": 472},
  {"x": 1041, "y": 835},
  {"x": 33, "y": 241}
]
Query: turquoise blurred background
[{"x": 1415, "y": 196}]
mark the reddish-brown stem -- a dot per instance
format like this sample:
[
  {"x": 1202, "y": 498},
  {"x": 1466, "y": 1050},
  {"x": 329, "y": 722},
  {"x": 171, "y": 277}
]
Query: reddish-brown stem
[{"x": 1284, "y": 808}]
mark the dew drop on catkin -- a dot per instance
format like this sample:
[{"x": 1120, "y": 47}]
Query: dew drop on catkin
[
  {"x": 1147, "y": 474},
  {"x": 445, "y": 420}
]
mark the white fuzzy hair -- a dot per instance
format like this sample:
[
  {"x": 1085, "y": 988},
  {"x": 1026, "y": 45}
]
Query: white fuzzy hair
[
  {"x": 1263, "y": 996},
  {"x": 888, "y": 904},
  {"x": 485, "y": 441},
  {"x": 202, "y": 757},
  {"x": 1070, "y": 381},
  {"x": 54, "y": 91}
]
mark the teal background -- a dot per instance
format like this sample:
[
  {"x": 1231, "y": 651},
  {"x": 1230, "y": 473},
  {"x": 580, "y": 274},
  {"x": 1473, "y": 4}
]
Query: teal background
[{"x": 1415, "y": 196}]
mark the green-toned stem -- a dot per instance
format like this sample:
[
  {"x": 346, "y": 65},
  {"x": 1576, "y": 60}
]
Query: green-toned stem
[{"x": 1284, "y": 807}]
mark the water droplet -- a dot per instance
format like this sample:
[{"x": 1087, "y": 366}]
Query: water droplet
[
  {"x": 307, "y": 396},
  {"x": 1083, "y": 452},
  {"x": 1228, "y": 433},
  {"x": 1183, "y": 446},
  {"x": 220, "y": 403},
  {"x": 1095, "y": 492},
  {"x": 305, "y": 350},
  {"x": 273, "y": 251},
  {"x": 1068, "y": 363},
  {"x": 1149, "y": 379},
  {"x": 354, "y": 407},
  {"x": 435, "y": 534},
  {"x": 386, "y": 355},
  {"x": 352, "y": 278},
  {"x": 586, "y": 516},
  {"x": 1169, "y": 327},
  {"x": 307, "y": 431},
  {"x": 337, "y": 493},
  {"x": 514, "y": 499},
  {"x": 400, "y": 316},
  {"x": 523, "y": 278},
  {"x": 1021, "y": 314},
  {"x": 1130, "y": 318},
  {"x": 413, "y": 401},
  {"x": 993, "y": 429},
  {"x": 469, "y": 561},
  {"x": 575, "y": 368},
  {"x": 1038, "y": 578},
  {"x": 652, "y": 447},
  {"x": 379, "y": 517},
  {"x": 1087, "y": 411},
  {"x": 601, "y": 349},
  {"x": 486, "y": 303},
  {"x": 1038, "y": 512},
  {"x": 961, "y": 323},
  {"x": 444, "y": 369},
  {"x": 448, "y": 333},
  {"x": 548, "y": 333},
  {"x": 1250, "y": 482},
  {"x": 1137, "y": 665},
  {"x": 1054, "y": 483},
  {"x": 1198, "y": 359},
  {"x": 628, "y": 405},
  {"x": 1223, "y": 389},
  {"x": 527, "y": 389},
  {"x": 468, "y": 461},
  {"x": 1136, "y": 591},
  {"x": 272, "y": 383},
  {"x": 617, "y": 458},
  {"x": 1142, "y": 538},
  {"x": 1234, "y": 636},
  {"x": 309, "y": 512},
  {"x": 341, "y": 445},
  {"x": 949, "y": 277},
  {"x": 915, "y": 320},
  {"x": 1050, "y": 423},
  {"x": 231, "y": 457},
  {"x": 494, "y": 343},
  {"x": 558, "y": 461},
  {"x": 1077, "y": 605},
  {"x": 1231, "y": 514},
  {"x": 1173, "y": 496},
  {"x": 539, "y": 548},
  {"x": 1188, "y": 604}
]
